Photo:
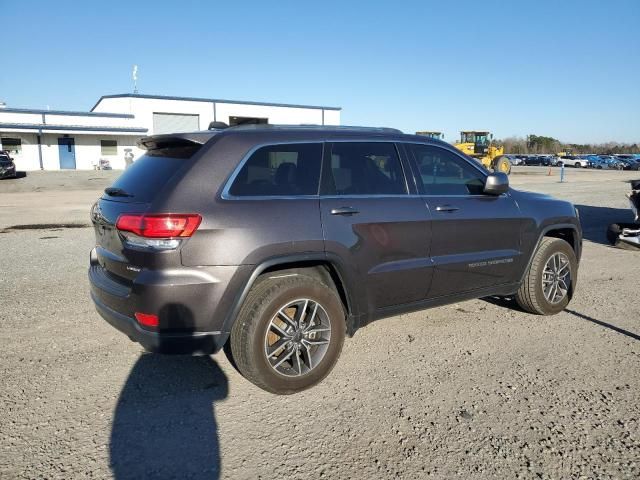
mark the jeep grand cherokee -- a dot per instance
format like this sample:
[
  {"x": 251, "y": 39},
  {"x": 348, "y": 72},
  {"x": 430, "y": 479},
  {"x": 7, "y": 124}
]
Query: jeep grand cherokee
[{"x": 277, "y": 241}]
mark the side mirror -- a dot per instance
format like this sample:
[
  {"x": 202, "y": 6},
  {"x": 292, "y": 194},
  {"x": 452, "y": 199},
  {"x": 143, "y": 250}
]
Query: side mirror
[{"x": 497, "y": 183}]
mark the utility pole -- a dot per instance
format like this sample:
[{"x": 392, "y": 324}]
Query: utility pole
[{"x": 134, "y": 75}]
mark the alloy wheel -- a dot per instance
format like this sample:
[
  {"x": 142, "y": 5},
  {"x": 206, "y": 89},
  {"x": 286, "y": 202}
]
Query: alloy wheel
[
  {"x": 297, "y": 337},
  {"x": 556, "y": 278}
]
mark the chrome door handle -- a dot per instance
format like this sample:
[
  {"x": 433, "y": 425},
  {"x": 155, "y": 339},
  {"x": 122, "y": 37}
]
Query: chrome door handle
[
  {"x": 446, "y": 208},
  {"x": 344, "y": 211}
]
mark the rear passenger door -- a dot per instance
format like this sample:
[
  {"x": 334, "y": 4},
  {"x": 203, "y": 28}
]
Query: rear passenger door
[
  {"x": 475, "y": 237},
  {"x": 373, "y": 223}
]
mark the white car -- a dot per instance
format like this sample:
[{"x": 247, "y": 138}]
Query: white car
[{"x": 573, "y": 161}]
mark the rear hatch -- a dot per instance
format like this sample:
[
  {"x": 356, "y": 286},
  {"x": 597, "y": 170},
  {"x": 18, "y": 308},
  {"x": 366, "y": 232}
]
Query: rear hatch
[{"x": 117, "y": 254}]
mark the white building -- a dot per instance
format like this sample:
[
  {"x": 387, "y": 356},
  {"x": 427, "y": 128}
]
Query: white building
[{"x": 53, "y": 139}]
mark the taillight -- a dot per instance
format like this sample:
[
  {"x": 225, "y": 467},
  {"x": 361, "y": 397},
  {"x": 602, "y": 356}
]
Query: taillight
[
  {"x": 157, "y": 231},
  {"x": 167, "y": 225},
  {"x": 147, "y": 319}
]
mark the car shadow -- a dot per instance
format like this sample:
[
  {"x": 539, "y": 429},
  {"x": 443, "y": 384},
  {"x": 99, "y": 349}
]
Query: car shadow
[
  {"x": 164, "y": 423},
  {"x": 603, "y": 324},
  {"x": 504, "y": 302},
  {"x": 510, "y": 303},
  {"x": 595, "y": 221},
  {"x": 19, "y": 174}
]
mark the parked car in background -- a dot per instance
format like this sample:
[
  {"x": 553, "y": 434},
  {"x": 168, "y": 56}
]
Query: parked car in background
[
  {"x": 629, "y": 163},
  {"x": 626, "y": 157},
  {"x": 7, "y": 167},
  {"x": 573, "y": 161},
  {"x": 610, "y": 162},
  {"x": 594, "y": 161},
  {"x": 515, "y": 159},
  {"x": 540, "y": 160}
]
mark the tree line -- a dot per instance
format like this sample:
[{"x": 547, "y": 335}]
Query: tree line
[{"x": 542, "y": 144}]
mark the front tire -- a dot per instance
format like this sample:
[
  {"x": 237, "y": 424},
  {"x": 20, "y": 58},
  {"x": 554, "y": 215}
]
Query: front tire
[
  {"x": 502, "y": 164},
  {"x": 550, "y": 281},
  {"x": 577, "y": 165},
  {"x": 289, "y": 333}
]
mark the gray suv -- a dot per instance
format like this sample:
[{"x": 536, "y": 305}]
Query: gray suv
[{"x": 275, "y": 242}]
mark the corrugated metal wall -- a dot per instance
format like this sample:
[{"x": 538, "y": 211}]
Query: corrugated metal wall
[{"x": 174, "y": 123}]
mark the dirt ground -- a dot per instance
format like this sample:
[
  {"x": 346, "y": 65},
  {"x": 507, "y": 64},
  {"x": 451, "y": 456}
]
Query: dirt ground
[{"x": 472, "y": 390}]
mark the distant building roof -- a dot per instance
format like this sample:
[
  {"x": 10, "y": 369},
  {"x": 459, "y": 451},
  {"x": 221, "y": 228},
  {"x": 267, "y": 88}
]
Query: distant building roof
[
  {"x": 66, "y": 112},
  {"x": 88, "y": 128},
  {"x": 212, "y": 100}
]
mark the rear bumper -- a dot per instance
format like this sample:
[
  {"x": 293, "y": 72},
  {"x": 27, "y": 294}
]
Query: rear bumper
[
  {"x": 192, "y": 304},
  {"x": 195, "y": 343}
]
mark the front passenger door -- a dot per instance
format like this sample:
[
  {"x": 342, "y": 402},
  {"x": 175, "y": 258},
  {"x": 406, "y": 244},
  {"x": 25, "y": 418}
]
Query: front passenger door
[
  {"x": 475, "y": 237},
  {"x": 372, "y": 223}
]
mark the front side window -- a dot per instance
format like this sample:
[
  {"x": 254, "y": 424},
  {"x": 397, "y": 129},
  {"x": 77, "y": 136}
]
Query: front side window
[
  {"x": 442, "y": 172},
  {"x": 108, "y": 147},
  {"x": 364, "y": 169},
  {"x": 278, "y": 170}
]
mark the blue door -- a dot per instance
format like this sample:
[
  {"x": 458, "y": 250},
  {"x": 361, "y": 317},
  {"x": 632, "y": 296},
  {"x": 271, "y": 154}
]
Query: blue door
[{"x": 67, "y": 153}]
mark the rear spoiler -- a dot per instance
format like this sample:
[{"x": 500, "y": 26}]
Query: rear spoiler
[{"x": 175, "y": 140}]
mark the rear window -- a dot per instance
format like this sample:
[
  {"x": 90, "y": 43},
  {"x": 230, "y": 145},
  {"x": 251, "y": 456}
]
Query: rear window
[
  {"x": 277, "y": 170},
  {"x": 146, "y": 177}
]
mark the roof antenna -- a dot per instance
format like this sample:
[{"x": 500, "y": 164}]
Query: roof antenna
[{"x": 134, "y": 75}]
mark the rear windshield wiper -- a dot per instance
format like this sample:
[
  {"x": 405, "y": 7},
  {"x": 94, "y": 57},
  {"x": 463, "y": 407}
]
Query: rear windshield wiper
[{"x": 116, "y": 192}]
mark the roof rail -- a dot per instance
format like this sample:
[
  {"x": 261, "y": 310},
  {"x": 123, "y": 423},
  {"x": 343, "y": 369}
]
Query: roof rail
[{"x": 261, "y": 126}]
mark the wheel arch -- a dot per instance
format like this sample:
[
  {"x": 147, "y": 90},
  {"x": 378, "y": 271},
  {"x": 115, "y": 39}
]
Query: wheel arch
[
  {"x": 566, "y": 231},
  {"x": 325, "y": 268},
  {"x": 568, "y": 234}
]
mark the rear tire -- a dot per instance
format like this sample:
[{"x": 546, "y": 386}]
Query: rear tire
[
  {"x": 304, "y": 359},
  {"x": 613, "y": 231},
  {"x": 577, "y": 165},
  {"x": 550, "y": 281}
]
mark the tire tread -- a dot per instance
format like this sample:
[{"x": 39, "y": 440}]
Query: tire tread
[
  {"x": 245, "y": 326},
  {"x": 527, "y": 297}
]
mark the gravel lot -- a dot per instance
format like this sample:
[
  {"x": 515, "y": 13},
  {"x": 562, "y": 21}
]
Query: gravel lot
[{"x": 476, "y": 389}]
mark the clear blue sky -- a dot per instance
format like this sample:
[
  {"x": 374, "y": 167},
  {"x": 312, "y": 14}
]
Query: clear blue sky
[{"x": 568, "y": 69}]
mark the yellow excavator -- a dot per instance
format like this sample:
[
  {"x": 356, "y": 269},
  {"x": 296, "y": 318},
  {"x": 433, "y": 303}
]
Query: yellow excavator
[{"x": 480, "y": 146}]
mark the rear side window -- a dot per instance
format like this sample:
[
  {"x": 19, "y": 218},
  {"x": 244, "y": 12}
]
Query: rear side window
[
  {"x": 364, "y": 169},
  {"x": 442, "y": 172},
  {"x": 276, "y": 170}
]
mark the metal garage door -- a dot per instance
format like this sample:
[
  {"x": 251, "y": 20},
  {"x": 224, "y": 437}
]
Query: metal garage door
[{"x": 175, "y": 122}]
